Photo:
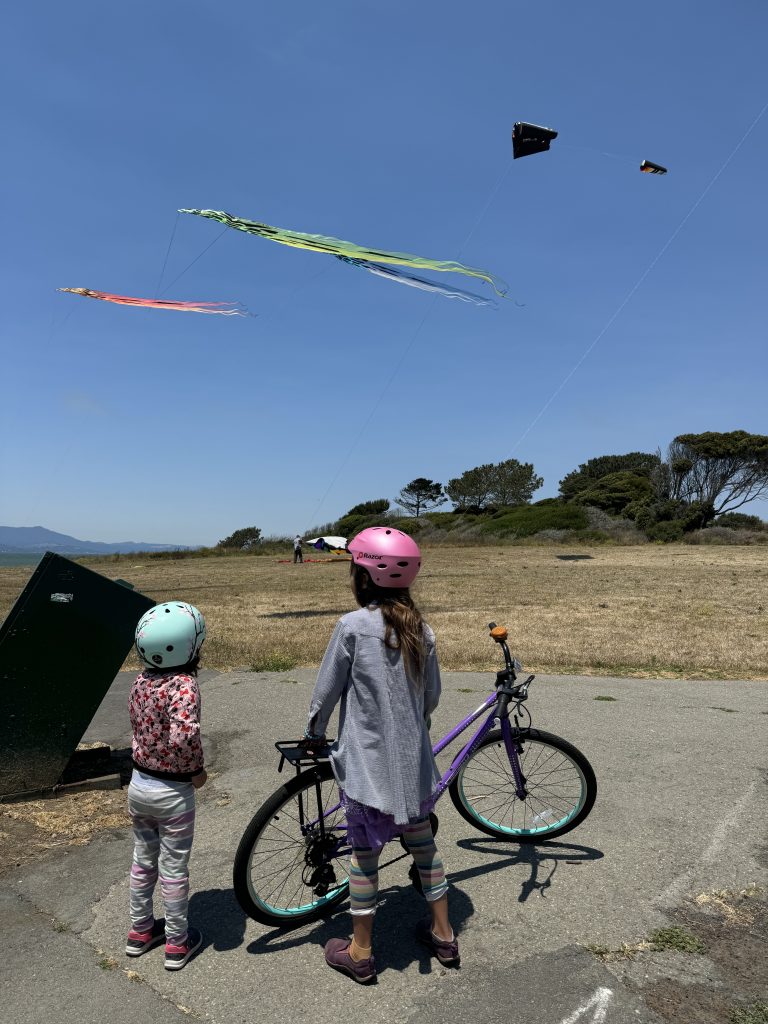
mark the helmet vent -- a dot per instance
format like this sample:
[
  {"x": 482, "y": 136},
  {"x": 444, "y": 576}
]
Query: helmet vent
[
  {"x": 389, "y": 531},
  {"x": 157, "y": 658},
  {"x": 167, "y": 611},
  {"x": 169, "y": 647},
  {"x": 382, "y": 565},
  {"x": 395, "y": 575},
  {"x": 403, "y": 565}
]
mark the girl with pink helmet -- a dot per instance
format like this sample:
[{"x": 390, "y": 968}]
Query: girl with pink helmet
[{"x": 381, "y": 668}]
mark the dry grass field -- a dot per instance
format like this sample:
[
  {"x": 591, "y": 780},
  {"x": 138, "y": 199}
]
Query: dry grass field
[{"x": 698, "y": 612}]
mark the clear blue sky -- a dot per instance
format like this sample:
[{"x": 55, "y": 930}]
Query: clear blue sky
[{"x": 389, "y": 125}]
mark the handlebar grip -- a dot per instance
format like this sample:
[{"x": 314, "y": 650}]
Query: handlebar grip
[{"x": 499, "y": 634}]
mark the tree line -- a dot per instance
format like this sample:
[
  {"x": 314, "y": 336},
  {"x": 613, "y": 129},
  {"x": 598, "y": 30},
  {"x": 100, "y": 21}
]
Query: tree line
[{"x": 699, "y": 480}]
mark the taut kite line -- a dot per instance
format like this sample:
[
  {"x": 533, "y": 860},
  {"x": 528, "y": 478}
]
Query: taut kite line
[
  {"x": 350, "y": 250},
  {"x": 224, "y": 308}
]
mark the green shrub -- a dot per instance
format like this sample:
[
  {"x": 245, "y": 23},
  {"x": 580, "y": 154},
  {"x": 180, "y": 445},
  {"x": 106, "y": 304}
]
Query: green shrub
[
  {"x": 740, "y": 521},
  {"x": 666, "y": 531},
  {"x": 526, "y": 520}
]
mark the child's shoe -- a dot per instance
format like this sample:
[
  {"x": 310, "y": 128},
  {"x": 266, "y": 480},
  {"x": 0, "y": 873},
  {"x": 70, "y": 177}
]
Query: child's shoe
[
  {"x": 337, "y": 956},
  {"x": 177, "y": 956},
  {"x": 446, "y": 952},
  {"x": 141, "y": 942}
]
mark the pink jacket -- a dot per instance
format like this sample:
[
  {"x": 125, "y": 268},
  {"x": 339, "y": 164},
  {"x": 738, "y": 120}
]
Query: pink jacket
[{"x": 165, "y": 715}]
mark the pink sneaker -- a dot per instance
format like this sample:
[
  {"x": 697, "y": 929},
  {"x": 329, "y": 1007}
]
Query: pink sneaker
[
  {"x": 177, "y": 956},
  {"x": 141, "y": 942}
]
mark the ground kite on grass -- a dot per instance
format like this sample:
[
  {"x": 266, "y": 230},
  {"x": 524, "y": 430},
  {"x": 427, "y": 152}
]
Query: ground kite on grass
[
  {"x": 224, "y": 308},
  {"x": 338, "y": 247},
  {"x": 337, "y": 545}
]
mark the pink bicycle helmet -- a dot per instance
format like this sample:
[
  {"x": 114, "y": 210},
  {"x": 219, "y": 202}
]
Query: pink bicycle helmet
[{"x": 391, "y": 557}]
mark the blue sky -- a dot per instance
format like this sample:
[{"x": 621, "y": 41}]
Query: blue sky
[{"x": 388, "y": 125}]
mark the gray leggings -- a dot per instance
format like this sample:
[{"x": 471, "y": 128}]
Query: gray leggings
[{"x": 163, "y": 829}]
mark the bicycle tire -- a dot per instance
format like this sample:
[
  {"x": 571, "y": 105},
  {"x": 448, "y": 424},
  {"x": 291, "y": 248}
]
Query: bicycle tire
[
  {"x": 553, "y": 800},
  {"x": 253, "y": 897}
]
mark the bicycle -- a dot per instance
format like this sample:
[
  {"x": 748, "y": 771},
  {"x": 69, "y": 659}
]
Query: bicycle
[{"x": 292, "y": 862}]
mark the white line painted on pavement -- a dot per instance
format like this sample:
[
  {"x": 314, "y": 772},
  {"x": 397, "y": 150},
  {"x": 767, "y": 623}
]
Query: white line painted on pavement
[
  {"x": 597, "y": 1002},
  {"x": 720, "y": 834}
]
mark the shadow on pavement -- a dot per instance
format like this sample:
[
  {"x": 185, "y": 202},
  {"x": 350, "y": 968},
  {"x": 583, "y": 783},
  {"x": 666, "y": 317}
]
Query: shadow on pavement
[
  {"x": 399, "y": 911},
  {"x": 217, "y": 914},
  {"x": 536, "y": 857}
]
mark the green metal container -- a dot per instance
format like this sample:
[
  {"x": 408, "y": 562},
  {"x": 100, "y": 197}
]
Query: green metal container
[{"x": 61, "y": 647}]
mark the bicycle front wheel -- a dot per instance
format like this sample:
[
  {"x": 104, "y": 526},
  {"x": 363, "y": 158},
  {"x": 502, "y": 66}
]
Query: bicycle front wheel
[
  {"x": 559, "y": 782},
  {"x": 287, "y": 868}
]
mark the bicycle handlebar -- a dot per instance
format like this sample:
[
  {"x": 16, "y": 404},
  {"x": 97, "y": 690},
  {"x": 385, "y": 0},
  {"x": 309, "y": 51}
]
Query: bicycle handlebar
[{"x": 506, "y": 678}]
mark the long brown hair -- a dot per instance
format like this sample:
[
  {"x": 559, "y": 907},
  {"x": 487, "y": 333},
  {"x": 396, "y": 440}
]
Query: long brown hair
[{"x": 404, "y": 625}]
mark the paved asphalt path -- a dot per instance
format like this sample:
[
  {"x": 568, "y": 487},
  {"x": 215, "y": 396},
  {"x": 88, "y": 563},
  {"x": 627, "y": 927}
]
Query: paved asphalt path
[{"x": 681, "y": 809}]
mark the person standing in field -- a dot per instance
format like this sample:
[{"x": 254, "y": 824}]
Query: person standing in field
[
  {"x": 382, "y": 667},
  {"x": 297, "y": 553},
  {"x": 168, "y": 767}
]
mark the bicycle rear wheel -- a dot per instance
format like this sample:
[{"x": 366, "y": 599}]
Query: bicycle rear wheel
[
  {"x": 286, "y": 869},
  {"x": 559, "y": 781}
]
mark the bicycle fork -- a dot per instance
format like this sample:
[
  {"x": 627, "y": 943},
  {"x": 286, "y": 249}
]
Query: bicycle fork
[{"x": 512, "y": 747}]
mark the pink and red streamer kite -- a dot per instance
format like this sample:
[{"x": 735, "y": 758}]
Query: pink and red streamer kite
[{"x": 224, "y": 308}]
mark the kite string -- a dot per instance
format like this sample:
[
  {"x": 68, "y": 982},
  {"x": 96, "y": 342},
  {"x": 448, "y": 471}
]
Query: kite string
[
  {"x": 194, "y": 261},
  {"x": 639, "y": 281},
  {"x": 167, "y": 254},
  {"x": 406, "y": 351}
]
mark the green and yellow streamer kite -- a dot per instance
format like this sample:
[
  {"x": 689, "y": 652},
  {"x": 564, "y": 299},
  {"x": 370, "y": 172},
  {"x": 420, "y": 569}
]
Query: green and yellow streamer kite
[{"x": 338, "y": 247}]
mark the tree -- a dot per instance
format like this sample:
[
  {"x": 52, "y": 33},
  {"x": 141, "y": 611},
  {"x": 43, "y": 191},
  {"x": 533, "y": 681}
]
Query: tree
[
  {"x": 241, "y": 540},
  {"x": 473, "y": 488},
  {"x": 641, "y": 463},
  {"x": 503, "y": 483},
  {"x": 421, "y": 495},
  {"x": 377, "y": 507},
  {"x": 615, "y": 491},
  {"x": 367, "y": 513},
  {"x": 514, "y": 482},
  {"x": 718, "y": 471}
]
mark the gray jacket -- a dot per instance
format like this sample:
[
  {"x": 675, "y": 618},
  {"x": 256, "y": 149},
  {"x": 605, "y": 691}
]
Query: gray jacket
[{"x": 383, "y": 755}]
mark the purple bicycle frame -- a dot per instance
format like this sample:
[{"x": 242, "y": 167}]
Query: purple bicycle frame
[
  {"x": 463, "y": 756},
  {"x": 468, "y": 750}
]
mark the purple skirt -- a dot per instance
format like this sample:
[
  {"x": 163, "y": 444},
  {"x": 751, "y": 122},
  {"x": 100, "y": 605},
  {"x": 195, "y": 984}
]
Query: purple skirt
[{"x": 369, "y": 828}]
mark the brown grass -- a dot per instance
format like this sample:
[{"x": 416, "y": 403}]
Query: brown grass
[
  {"x": 652, "y": 610},
  {"x": 70, "y": 820}
]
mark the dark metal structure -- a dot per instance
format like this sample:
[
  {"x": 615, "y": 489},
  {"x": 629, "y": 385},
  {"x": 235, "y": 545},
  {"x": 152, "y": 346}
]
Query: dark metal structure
[{"x": 61, "y": 647}]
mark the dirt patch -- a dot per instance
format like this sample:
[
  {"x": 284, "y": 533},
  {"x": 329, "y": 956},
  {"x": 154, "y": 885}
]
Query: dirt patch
[
  {"x": 31, "y": 829},
  {"x": 724, "y": 981}
]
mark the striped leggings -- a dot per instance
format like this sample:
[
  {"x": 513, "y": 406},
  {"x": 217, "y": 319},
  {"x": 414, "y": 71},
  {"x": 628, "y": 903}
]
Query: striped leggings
[
  {"x": 364, "y": 869},
  {"x": 163, "y": 828}
]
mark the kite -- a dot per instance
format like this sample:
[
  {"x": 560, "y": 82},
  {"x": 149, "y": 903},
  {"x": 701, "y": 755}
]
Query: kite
[
  {"x": 414, "y": 281},
  {"x": 338, "y": 247},
  {"x": 335, "y": 545},
  {"x": 528, "y": 139},
  {"x": 225, "y": 308},
  {"x": 649, "y": 168}
]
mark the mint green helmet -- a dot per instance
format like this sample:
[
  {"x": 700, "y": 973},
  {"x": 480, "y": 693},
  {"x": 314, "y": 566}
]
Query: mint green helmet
[{"x": 170, "y": 635}]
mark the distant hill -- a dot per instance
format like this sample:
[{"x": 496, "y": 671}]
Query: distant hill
[{"x": 33, "y": 539}]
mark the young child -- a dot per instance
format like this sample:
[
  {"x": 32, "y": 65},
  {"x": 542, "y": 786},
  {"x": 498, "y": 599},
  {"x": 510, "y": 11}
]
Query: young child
[
  {"x": 167, "y": 769},
  {"x": 381, "y": 664}
]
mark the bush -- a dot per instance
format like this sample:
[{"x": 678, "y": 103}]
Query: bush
[
  {"x": 526, "y": 520},
  {"x": 615, "y": 491},
  {"x": 722, "y": 535},
  {"x": 740, "y": 521},
  {"x": 666, "y": 531}
]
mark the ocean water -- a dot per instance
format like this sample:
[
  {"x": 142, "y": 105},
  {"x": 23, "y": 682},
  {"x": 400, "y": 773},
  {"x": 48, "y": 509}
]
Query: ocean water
[{"x": 19, "y": 558}]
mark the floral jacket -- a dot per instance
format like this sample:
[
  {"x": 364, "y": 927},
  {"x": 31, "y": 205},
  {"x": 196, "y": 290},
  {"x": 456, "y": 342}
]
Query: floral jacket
[{"x": 165, "y": 715}]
